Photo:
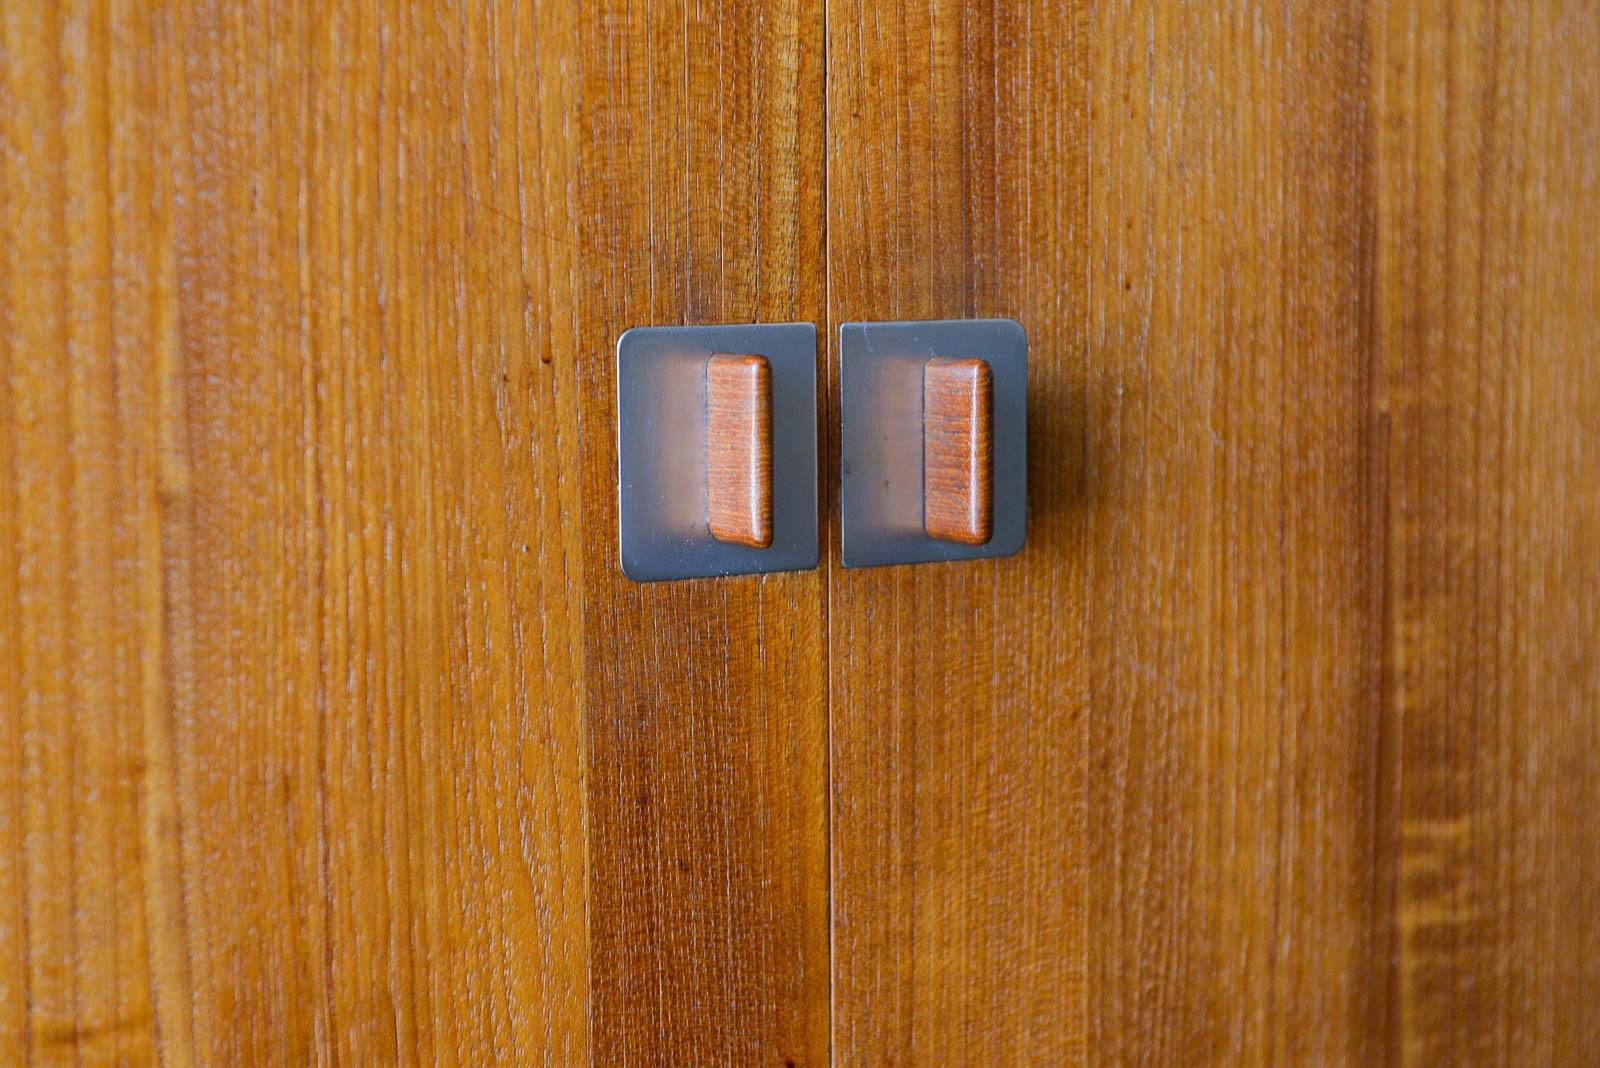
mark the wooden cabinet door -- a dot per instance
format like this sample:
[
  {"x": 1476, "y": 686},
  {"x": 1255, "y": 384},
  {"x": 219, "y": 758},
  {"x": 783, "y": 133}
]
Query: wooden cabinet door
[
  {"x": 1278, "y": 742},
  {"x": 331, "y": 732}
]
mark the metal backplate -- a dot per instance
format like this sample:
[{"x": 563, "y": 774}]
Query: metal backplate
[
  {"x": 661, "y": 450},
  {"x": 880, "y": 437}
]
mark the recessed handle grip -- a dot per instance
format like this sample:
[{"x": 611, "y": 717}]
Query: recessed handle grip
[
  {"x": 739, "y": 449},
  {"x": 957, "y": 450}
]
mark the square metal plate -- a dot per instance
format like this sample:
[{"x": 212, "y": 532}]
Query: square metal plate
[
  {"x": 880, "y": 437},
  {"x": 661, "y": 450}
]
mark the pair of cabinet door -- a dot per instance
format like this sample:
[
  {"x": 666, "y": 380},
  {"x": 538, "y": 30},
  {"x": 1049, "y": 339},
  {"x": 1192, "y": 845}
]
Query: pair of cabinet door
[{"x": 331, "y": 730}]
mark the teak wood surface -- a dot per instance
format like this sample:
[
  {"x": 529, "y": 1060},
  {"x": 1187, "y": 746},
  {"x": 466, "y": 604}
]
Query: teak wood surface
[
  {"x": 739, "y": 449},
  {"x": 958, "y": 449},
  {"x": 330, "y": 731}
]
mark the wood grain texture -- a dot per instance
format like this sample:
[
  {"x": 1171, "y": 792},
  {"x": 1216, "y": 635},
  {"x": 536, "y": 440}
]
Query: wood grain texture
[
  {"x": 958, "y": 450},
  {"x": 1235, "y": 569},
  {"x": 1487, "y": 194},
  {"x": 739, "y": 449},
  {"x": 300, "y": 453},
  {"x": 707, "y": 700},
  {"x": 1341, "y": 557},
  {"x": 1278, "y": 743},
  {"x": 291, "y": 759},
  {"x": 955, "y": 189},
  {"x": 1304, "y": 763}
]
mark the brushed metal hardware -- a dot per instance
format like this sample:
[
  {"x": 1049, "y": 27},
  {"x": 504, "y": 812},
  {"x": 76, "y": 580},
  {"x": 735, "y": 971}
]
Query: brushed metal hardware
[
  {"x": 922, "y": 406},
  {"x": 716, "y": 450}
]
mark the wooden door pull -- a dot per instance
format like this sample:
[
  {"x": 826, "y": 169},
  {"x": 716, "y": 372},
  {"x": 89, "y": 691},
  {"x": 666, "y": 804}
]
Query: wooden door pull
[
  {"x": 957, "y": 451},
  {"x": 739, "y": 449}
]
